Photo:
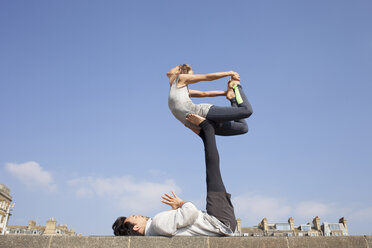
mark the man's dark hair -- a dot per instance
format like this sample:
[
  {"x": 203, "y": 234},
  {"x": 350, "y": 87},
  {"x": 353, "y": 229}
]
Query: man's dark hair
[{"x": 124, "y": 229}]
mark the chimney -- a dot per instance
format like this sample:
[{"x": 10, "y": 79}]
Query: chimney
[
  {"x": 316, "y": 223},
  {"x": 343, "y": 222},
  {"x": 51, "y": 226},
  {"x": 263, "y": 224},
  {"x": 31, "y": 224},
  {"x": 291, "y": 223},
  {"x": 239, "y": 224}
]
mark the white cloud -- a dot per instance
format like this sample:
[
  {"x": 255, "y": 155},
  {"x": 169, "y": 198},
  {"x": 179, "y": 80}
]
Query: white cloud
[
  {"x": 125, "y": 193},
  {"x": 255, "y": 207},
  {"x": 364, "y": 214},
  {"x": 32, "y": 175},
  {"x": 310, "y": 209}
]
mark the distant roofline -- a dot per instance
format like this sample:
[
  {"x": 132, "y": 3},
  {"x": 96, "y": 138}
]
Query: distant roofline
[{"x": 5, "y": 191}]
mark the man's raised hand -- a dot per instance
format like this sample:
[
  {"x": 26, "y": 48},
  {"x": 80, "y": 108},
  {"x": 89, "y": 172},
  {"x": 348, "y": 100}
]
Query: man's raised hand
[{"x": 173, "y": 201}]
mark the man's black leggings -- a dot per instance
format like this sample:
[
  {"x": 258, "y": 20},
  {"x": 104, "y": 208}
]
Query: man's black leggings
[{"x": 218, "y": 200}]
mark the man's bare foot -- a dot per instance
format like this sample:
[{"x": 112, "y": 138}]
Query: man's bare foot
[
  {"x": 195, "y": 119},
  {"x": 197, "y": 131}
]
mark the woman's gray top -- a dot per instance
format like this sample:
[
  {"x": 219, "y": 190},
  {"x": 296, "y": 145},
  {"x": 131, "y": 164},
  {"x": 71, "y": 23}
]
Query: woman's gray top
[{"x": 180, "y": 104}]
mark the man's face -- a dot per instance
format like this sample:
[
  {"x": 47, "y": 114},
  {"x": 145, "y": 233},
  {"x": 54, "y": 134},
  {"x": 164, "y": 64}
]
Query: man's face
[{"x": 138, "y": 221}]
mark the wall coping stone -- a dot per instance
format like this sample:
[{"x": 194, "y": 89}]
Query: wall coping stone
[{"x": 44, "y": 241}]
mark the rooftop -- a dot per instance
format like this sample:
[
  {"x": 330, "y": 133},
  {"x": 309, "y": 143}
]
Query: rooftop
[{"x": 5, "y": 191}]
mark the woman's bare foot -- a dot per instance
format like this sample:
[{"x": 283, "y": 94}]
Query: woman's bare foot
[
  {"x": 197, "y": 131},
  {"x": 230, "y": 94},
  {"x": 195, "y": 119},
  {"x": 232, "y": 83}
]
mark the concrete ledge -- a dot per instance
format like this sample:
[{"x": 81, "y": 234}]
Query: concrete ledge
[
  {"x": 350, "y": 241},
  {"x": 23, "y": 241},
  {"x": 249, "y": 242}
]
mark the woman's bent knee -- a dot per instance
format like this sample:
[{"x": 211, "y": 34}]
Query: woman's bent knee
[
  {"x": 244, "y": 129},
  {"x": 246, "y": 112}
]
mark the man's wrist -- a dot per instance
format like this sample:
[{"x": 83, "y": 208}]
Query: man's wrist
[{"x": 180, "y": 204}]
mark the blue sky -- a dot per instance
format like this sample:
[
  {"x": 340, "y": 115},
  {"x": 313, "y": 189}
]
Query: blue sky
[{"x": 86, "y": 134}]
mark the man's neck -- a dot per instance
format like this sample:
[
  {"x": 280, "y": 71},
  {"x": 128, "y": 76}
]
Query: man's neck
[{"x": 144, "y": 228}]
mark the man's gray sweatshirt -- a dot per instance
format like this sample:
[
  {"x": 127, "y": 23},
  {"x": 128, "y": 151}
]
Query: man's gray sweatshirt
[{"x": 186, "y": 221}]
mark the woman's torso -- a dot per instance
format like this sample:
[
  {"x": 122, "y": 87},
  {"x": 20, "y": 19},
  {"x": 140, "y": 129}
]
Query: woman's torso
[{"x": 180, "y": 104}]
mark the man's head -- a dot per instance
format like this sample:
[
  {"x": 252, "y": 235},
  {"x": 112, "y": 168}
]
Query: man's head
[{"x": 133, "y": 225}]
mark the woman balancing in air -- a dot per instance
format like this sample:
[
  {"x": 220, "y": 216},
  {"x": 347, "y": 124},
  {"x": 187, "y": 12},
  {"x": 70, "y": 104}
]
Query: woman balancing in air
[{"x": 227, "y": 121}]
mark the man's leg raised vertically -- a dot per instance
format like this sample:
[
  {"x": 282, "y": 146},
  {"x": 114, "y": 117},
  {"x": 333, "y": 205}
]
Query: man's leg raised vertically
[{"x": 218, "y": 200}]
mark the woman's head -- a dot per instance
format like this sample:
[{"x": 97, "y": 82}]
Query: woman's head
[
  {"x": 185, "y": 69},
  {"x": 180, "y": 69}
]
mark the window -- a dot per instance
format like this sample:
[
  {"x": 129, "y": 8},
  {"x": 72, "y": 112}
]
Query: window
[
  {"x": 305, "y": 228},
  {"x": 282, "y": 227},
  {"x": 300, "y": 234},
  {"x": 289, "y": 234},
  {"x": 334, "y": 226}
]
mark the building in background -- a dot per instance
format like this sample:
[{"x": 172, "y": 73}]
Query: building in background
[
  {"x": 5, "y": 207},
  {"x": 51, "y": 228},
  {"x": 288, "y": 229},
  {"x": 335, "y": 229}
]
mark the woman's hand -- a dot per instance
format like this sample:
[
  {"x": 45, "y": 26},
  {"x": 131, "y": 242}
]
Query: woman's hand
[
  {"x": 173, "y": 201},
  {"x": 235, "y": 76}
]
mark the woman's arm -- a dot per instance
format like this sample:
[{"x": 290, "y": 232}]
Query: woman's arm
[
  {"x": 197, "y": 93},
  {"x": 185, "y": 79}
]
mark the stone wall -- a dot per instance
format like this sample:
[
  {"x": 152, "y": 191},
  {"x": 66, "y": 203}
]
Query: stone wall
[{"x": 19, "y": 241}]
